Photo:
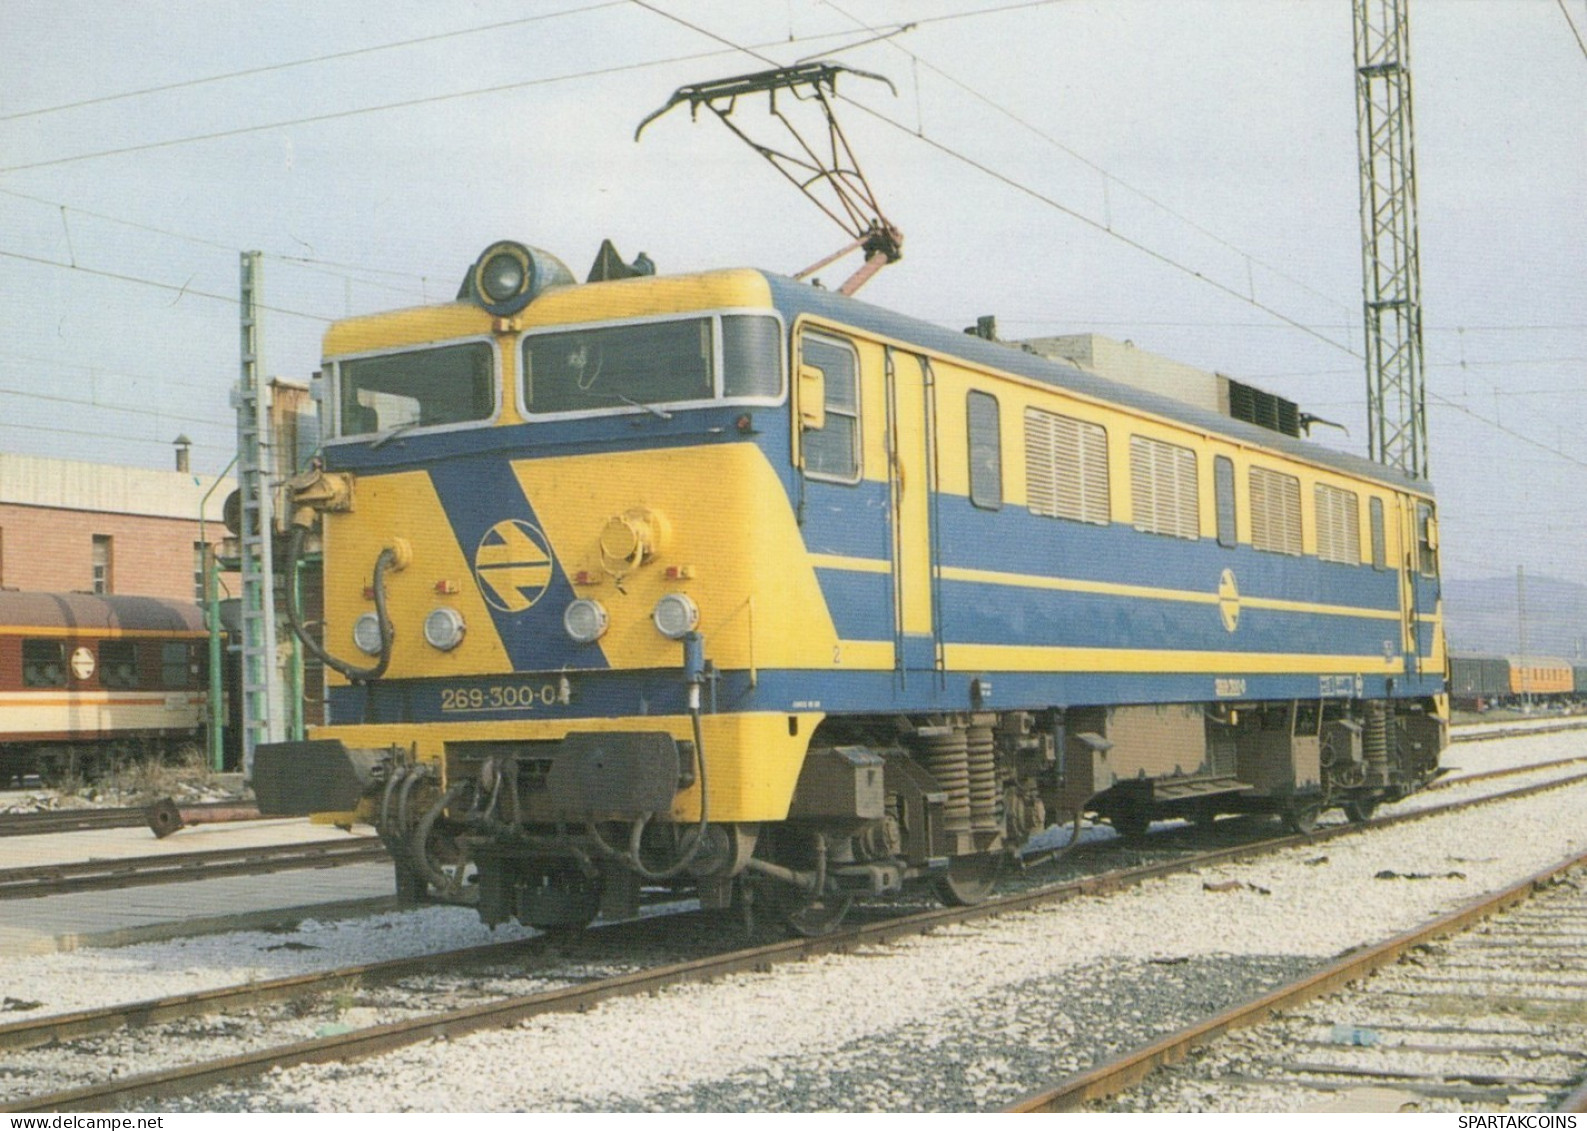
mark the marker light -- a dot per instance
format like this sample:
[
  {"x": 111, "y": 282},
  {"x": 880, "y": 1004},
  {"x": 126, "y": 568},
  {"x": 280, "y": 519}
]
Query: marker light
[
  {"x": 585, "y": 621},
  {"x": 676, "y": 616},
  {"x": 444, "y": 628},
  {"x": 366, "y": 634}
]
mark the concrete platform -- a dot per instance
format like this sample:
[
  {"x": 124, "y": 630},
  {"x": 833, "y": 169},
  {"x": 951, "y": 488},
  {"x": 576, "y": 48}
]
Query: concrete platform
[{"x": 159, "y": 911}]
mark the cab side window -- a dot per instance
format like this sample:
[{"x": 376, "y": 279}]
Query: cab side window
[{"x": 832, "y": 451}]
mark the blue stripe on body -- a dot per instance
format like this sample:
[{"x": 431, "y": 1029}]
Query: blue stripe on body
[
  {"x": 1013, "y": 540},
  {"x": 983, "y": 613},
  {"x": 533, "y": 696},
  {"x": 477, "y": 493},
  {"x": 860, "y": 603}
]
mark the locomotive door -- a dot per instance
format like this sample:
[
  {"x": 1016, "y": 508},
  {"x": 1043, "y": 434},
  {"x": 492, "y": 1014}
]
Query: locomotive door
[
  {"x": 1416, "y": 596},
  {"x": 1419, "y": 541},
  {"x": 912, "y": 495}
]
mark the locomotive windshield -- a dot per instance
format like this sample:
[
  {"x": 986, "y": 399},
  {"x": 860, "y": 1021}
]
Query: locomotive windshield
[
  {"x": 418, "y": 389},
  {"x": 633, "y": 366}
]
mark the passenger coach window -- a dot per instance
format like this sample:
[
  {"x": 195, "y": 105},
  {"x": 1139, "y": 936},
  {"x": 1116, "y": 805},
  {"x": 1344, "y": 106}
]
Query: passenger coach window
[
  {"x": 43, "y": 663},
  {"x": 177, "y": 668},
  {"x": 833, "y": 450},
  {"x": 1223, "y": 488},
  {"x": 118, "y": 664},
  {"x": 1380, "y": 555},
  {"x": 986, "y": 452},
  {"x": 1163, "y": 487},
  {"x": 449, "y": 385}
]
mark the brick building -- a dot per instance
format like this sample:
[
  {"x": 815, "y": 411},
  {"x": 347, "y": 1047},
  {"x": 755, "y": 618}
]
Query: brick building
[{"x": 73, "y": 526}]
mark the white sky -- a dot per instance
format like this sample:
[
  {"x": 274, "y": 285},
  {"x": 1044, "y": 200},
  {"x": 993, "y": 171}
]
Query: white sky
[{"x": 1237, "y": 115}]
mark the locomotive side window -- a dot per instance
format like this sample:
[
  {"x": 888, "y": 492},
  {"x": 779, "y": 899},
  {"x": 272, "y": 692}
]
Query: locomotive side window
[
  {"x": 1066, "y": 468},
  {"x": 1223, "y": 491},
  {"x": 1163, "y": 488},
  {"x": 118, "y": 664},
  {"x": 1338, "y": 525},
  {"x": 751, "y": 356},
  {"x": 1275, "y": 512},
  {"x": 418, "y": 389},
  {"x": 1380, "y": 557},
  {"x": 628, "y": 366},
  {"x": 986, "y": 451},
  {"x": 832, "y": 451},
  {"x": 43, "y": 663}
]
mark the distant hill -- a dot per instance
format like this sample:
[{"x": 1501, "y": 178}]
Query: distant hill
[{"x": 1481, "y": 616}]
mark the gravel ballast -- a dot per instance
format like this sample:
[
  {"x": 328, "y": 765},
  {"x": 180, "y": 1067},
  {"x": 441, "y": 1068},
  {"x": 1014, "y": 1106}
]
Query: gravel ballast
[{"x": 971, "y": 1017}]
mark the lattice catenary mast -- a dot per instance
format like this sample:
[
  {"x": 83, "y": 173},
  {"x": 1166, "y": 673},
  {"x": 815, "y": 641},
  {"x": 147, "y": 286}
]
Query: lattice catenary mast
[{"x": 1391, "y": 267}]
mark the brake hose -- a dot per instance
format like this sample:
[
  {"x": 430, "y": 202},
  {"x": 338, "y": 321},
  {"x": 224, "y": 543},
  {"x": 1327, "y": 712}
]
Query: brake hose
[
  {"x": 632, "y": 857},
  {"x": 294, "y": 618}
]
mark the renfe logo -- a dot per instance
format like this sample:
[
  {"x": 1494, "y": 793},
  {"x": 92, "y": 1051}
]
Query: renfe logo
[{"x": 513, "y": 565}]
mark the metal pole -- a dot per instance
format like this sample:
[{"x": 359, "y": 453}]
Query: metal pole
[
  {"x": 260, "y": 714},
  {"x": 216, "y": 731},
  {"x": 1390, "y": 255}
]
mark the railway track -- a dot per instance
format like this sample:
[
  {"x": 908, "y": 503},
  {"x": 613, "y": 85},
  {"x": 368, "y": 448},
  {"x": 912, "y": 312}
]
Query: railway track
[
  {"x": 136, "y": 871},
  {"x": 1428, "y": 1031},
  {"x": 569, "y": 998}
]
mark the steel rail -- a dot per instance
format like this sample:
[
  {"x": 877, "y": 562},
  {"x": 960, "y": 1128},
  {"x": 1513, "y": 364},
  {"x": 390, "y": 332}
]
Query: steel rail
[
  {"x": 509, "y": 1011},
  {"x": 51, "y": 821},
  {"x": 1505, "y": 772},
  {"x": 60, "y": 1027},
  {"x": 182, "y": 867},
  {"x": 1514, "y": 732},
  {"x": 1111, "y": 1078}
]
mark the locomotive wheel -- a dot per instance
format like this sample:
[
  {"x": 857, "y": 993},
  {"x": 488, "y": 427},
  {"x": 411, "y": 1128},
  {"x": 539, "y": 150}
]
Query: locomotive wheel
[
  {"x": 969, "y": 879},
  {"x": 805, "y": 915},
  {"x": 1301, "y": 816}
]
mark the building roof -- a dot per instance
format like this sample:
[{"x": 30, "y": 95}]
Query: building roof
[
  {"x": 40, "y": 481},
  {"x": 86, "y": 612}
]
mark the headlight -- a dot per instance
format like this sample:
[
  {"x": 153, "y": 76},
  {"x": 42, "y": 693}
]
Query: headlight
[
  {"x": 444, "y": 628},
  {"x": 585, "y": 621},
  {"x": 366, "y": 634},
  {"x": 675, "y": 616},
  {"x": 501, "y": 277},
  {"x": 507, "y": 276}
]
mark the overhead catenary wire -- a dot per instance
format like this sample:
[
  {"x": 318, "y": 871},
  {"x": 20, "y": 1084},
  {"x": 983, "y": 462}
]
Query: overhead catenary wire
[
  {"x": 1109, "y": 176},
  {"x": 182, "y": 289},
  {"x": 328, "y": 267},
  {"x": 270, "y": 68},
  {"x": 1105, "y": 229},
  {"x": 1574, "y": 30},
  {"x": 406, "y": 103}
]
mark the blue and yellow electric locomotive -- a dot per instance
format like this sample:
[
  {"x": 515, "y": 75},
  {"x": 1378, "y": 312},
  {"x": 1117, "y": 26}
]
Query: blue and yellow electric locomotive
[{"x": 726, "y": 582}]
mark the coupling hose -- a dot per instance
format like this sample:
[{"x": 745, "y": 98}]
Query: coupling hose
[
  {"x": 631, "y": 858},
  {"x": 294, "y": 615}
]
